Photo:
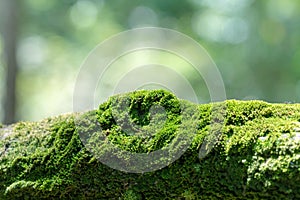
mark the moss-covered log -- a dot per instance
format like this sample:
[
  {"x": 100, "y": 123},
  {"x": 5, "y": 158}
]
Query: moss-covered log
[{"x": 256, "y": 155}]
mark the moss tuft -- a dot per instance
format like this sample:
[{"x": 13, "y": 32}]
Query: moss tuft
[{"x": 257, "y": 155}]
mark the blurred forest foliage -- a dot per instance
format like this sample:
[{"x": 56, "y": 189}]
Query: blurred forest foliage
[{"x": 255, "y": 44}]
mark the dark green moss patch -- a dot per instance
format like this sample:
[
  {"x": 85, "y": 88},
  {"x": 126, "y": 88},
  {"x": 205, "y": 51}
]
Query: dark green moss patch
[{"x": 257, "y": 155}]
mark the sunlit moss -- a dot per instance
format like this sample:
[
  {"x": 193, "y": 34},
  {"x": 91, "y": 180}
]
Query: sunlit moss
[{"x": 256, "y": 157}]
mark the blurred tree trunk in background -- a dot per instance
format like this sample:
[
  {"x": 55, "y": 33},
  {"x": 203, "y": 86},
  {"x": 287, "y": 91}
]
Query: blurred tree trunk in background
[{"x": 9, "y": 15}]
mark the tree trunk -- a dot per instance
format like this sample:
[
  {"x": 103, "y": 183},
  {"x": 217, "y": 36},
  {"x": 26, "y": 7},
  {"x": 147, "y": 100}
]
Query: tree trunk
[{"x": 10, "y": 12}]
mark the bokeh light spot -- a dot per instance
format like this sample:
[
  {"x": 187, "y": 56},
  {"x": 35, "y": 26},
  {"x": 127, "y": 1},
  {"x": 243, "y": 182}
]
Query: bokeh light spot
[
  {"x": 83, "y": 14},
  {"x": 142, "y": 16},
  {"x": 282, "y": 10},
  {"x": 32, "y": 52},
  {"x": 219, "y": 28}
]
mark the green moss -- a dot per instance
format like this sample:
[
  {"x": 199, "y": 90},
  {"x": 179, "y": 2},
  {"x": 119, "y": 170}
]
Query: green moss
[
  {"x": 257, "y": 155},
  {"x": 129, "y": 126}
]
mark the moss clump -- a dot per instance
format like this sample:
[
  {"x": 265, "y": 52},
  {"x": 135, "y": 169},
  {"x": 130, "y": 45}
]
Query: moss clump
[
  {"x": 126, "y": 120},
  {"x": 256, "y": 155}
]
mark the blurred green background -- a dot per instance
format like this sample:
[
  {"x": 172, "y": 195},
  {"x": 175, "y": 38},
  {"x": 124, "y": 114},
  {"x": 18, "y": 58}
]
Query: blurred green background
[{"x": 255, "y": 44}]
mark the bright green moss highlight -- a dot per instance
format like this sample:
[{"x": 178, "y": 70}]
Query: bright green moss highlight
[{"x": 257, "y": 155}]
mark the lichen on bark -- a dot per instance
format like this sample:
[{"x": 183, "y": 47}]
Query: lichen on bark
[{"x": 257, "y": 155}]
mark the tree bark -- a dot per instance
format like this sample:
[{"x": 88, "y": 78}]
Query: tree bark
[{"x": 10, "y": 13}]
